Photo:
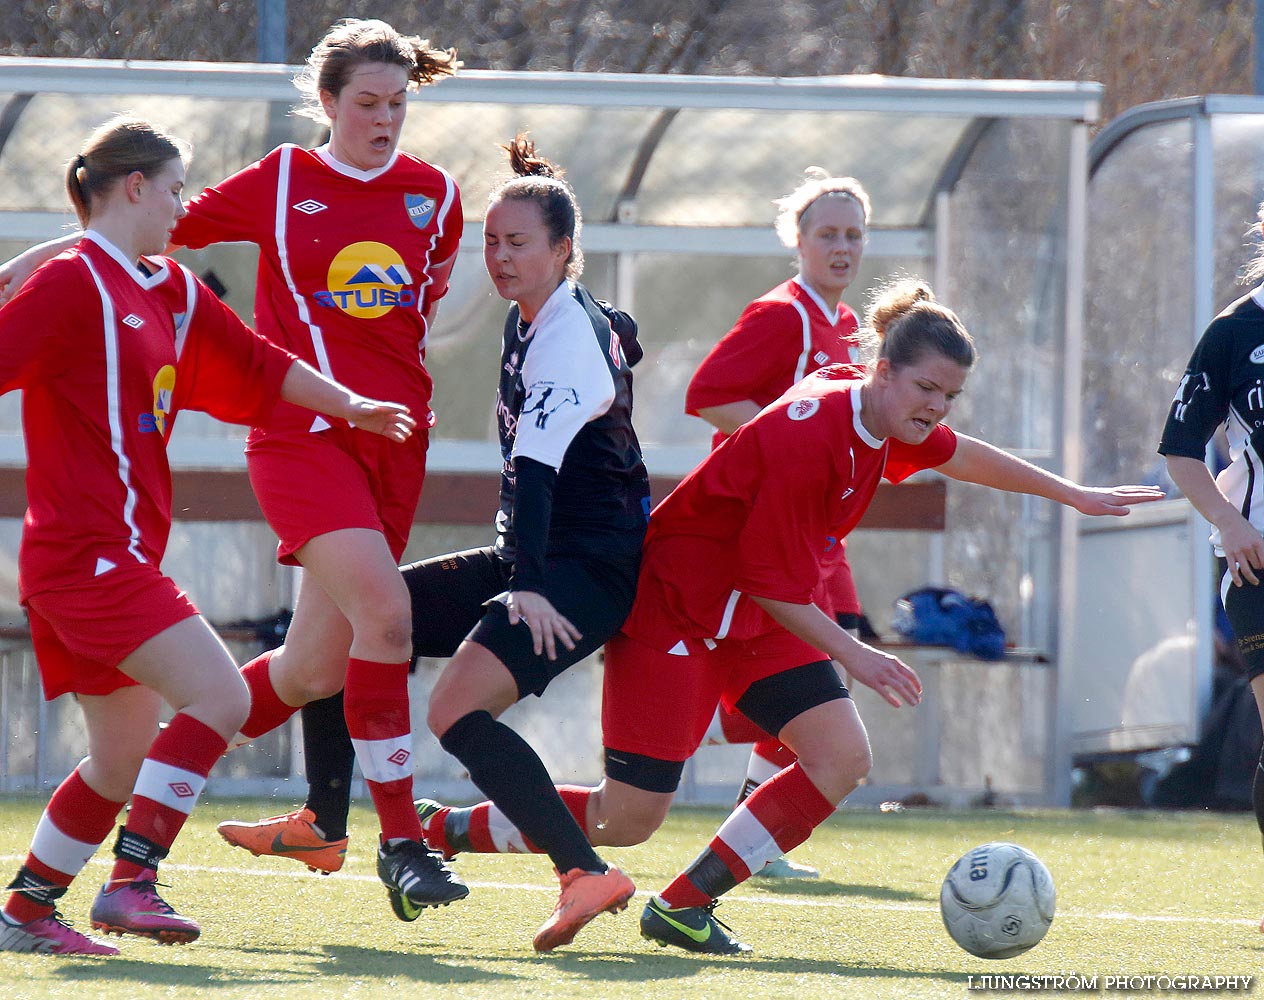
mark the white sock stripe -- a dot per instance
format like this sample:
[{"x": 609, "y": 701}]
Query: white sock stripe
[
  {"x": 748, "y": 838},
  {"x": 385, "y": 760},
  {"x": 760, "y": 770},
  {"x": 173, "y": 787},
  {"x": 505, "y": 836},
  {"x": 58, "y": 851}
]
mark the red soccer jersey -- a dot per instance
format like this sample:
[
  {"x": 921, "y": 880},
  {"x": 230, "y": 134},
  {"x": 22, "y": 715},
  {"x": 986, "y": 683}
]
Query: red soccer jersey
[
  {"x": 347, "y": 266},
  {"x": 106, "y": 356},
  {"x": 759, "y": 514},
  {"x": 782, "y": 336}
]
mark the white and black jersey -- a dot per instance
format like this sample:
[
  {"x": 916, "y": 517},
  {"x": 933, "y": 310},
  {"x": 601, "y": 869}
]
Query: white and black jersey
[
  {"x": 1224, "y": 384},
  {"x": 565, "y": 402}
]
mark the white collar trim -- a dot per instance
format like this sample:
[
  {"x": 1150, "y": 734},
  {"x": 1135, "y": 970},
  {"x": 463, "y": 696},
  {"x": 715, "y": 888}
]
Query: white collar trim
[
  {"x": 833, "y": 315},
  {"x": 144, "y": 280},
  {"x": 858, "y": 425},
  {"x": 355, "y": 173}
]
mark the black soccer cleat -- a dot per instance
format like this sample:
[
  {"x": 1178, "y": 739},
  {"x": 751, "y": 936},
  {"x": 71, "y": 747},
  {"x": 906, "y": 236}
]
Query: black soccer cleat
[
  {"x": 694, "y": 928},
  {"x": 416, "y": 878}
]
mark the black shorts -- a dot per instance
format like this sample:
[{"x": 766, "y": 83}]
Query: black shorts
[
  {"x": 1245, "y": 607},
  {"x": 462, "y": 596}
]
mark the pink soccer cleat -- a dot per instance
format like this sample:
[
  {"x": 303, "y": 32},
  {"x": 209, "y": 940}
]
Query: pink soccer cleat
[
  {"x": 49, "y": 935},
  {"x": 136, "y": 908}
]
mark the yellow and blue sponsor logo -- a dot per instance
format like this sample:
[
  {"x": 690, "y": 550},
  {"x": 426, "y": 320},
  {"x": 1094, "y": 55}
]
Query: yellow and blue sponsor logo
[
  {"x": 367, "y": 280},
  {"x": 158, "y": 421}
]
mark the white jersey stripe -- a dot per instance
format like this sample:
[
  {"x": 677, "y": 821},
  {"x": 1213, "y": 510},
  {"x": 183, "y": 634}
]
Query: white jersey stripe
[
  {"x": 190, "y": 306},
  {"x": 441, "y": 216},
  {"x": 173, "y": 787},
  {"x": 385, "y": 760},
  {"x": 801, "y": 366},
  {"x": 58, "y": 851},
  {"x": 112, "y": 374},
  {"x": 283, "y": 256},
  {"x": 726, "y": 621}
]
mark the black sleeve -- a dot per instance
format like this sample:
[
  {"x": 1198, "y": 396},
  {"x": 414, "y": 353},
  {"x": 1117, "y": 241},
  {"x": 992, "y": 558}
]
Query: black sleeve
[
  {"x": 625, "y": 329},
  {"x": 532, "y": 511},
  {"x": 1202, "y": 397}
]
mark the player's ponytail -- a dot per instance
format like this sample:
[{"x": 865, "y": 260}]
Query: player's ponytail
[
  {"x": 1253, "y": 273},
  {"x": 904, "y": 322},
  {"x": 355, "y": 41},
  {"x": 541, "y": 180},
  {"x": 121, "y": 146}
]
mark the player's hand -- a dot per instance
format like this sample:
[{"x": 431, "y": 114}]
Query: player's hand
[
  {"x": 1114, "y": 500},
  {"x": 1244, "y": 550},
  {"x": 13, "y": 274},
  {"x": 548, "y": 625},
  {"x": 890, "y": 676},
  {"x": 391, "y": 420}
]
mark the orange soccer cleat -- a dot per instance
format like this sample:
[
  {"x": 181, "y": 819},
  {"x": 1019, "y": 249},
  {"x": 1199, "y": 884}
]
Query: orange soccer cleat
[
  {"x": 584, "y": 895},
  {"x": 290, "y": 836}
]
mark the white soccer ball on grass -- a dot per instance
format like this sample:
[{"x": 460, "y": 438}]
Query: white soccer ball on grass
[{"x": 997, "y": 901}]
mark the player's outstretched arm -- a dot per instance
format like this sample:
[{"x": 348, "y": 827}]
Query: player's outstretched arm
[
  {"x": 888, "y": 675},
  {"x": 976, "y": 461},
  {"x": 15, "y": 271},
  {"x": 307, "y": 387}
]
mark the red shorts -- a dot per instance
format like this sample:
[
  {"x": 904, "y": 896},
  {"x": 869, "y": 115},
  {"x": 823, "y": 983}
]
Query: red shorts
[
  {"x": 659, "y": 704},
  {"x": 311, "y": 484},
  {"x": 83, "y": 632}
]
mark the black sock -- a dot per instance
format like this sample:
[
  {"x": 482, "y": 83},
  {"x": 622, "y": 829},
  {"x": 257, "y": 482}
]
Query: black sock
[
  {"x": 505, "y": 769},
  {"x": 1257, "y": 792},
  {"x": 330, "y": 760},
  {"x": 710, "y": 874}
]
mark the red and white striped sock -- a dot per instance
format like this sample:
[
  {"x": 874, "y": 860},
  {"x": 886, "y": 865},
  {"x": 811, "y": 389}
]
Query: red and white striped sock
[
  {"x": 376, "y": 704},
  {"x": 768, "y": 758},
  {"x": 484, "y": 829},
  {"x": 779, "y": 816},
  {"x": 73, "y": 826},
  {"x": 171, "y": 779}
]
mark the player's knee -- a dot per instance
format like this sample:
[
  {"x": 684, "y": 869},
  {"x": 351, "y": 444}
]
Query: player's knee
[
  {"x": 223, "y": 705},
  {"x": 387, "y": 626},
  {"x": 837, "y": 766},
  {"x": 625, "y": 816},
  {"x": 632, "y": 829}
]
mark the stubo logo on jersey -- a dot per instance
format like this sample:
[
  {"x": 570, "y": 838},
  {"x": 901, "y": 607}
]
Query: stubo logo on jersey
[
  {"x": 156, "y": 422},
  {"x": 367, "y": 280}
]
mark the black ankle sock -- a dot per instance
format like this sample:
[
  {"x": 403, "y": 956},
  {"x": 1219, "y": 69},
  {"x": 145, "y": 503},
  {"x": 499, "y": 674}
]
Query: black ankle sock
[
  {"x": 330, "y": 760},
  {"x": 505, "y": 769}
]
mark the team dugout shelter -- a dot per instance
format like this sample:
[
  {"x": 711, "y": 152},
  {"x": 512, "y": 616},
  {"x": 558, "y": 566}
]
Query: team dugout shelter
[{"x": 979, "y": 186}]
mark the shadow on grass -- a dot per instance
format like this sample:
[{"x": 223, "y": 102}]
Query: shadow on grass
[
  {"x": 677, "y": 966},
  {"x": 441, "y": 967},
  {"x": 148, "y": 975},
  {"x": 333, "y": 962},
  {"x": 309, "y": 966},
  {"x": 826, "y": 887}
]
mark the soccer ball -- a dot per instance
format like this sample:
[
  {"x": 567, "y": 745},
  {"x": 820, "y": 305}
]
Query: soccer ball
[{"x": 997, "y": 901}]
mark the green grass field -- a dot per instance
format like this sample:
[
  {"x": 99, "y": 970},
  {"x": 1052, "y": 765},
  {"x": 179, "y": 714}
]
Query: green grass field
[{"x": 1138, "y": 893}]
